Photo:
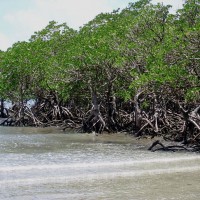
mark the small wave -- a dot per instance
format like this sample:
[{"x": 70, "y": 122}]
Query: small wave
[
  {"x": 96, "y": 164},
  {"x": 96, "y": 176}
]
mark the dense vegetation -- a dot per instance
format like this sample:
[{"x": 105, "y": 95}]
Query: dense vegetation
[{"x": 134, "y": 70}]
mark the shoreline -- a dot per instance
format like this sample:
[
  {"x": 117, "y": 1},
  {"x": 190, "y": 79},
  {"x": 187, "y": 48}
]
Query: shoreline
[{"x": 148, "y": 143}]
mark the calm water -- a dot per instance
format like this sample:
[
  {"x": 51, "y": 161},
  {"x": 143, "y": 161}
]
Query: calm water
[{"x": 47, "y": 164}]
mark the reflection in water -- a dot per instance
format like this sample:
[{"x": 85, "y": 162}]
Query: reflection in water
[{"x": 48, "y": 164}]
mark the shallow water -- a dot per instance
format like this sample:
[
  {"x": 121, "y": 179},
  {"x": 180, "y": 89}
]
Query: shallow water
[{"x": 48, "y": 164}]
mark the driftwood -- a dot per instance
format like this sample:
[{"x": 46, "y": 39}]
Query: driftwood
[{"x": 166, "y": 148}]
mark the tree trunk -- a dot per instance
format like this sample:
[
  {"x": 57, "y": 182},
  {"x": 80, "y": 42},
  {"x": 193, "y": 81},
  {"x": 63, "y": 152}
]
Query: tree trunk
[
  {"x": 138, "y": 114},
  {"x": 2, "y": 113},
  {"x": 95, "y": 121},
  {"x": 111, "y": 110}
]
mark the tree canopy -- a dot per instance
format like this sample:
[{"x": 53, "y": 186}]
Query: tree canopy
[{"x": 135, "y": 69}]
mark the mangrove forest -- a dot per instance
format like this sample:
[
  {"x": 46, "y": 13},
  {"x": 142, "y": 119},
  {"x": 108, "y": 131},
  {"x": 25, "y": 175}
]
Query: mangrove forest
[{"x": 134, "y": 70}]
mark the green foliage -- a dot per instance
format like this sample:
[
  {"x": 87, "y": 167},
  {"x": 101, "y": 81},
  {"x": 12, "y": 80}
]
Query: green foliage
[
  {"x": 141, "y": 47},
  {"x": 170, "y": 50}
]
